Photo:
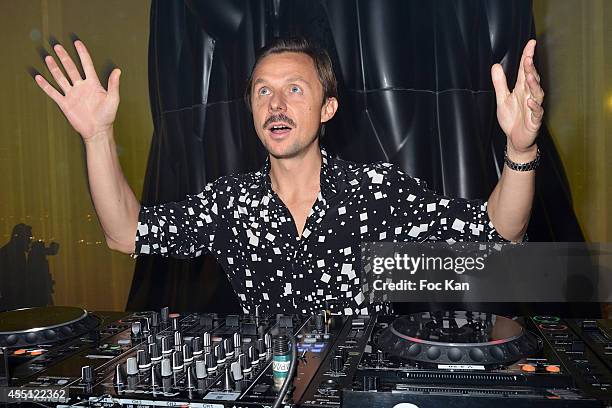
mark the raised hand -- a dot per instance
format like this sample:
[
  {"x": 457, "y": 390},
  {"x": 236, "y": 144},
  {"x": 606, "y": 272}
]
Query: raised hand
[
  {"x": 90, "y": 109},
  {"x": 520, "y": 112}
]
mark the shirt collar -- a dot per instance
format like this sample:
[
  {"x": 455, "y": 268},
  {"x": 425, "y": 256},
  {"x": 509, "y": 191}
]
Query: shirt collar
[{"x": 329, "y": 179}]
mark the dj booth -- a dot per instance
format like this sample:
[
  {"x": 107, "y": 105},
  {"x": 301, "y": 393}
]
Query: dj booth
[{"x": 64, "y": 356}]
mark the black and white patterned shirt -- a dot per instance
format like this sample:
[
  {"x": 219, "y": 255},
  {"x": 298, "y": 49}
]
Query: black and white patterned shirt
[{"x": 244, "y": 224}]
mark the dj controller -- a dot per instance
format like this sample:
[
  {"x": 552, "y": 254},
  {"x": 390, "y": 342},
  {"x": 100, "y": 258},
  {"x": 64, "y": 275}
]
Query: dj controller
[{"x": 63, "y": 356}]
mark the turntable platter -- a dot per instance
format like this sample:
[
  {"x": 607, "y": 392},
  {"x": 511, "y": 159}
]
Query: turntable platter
[
  {"x": 457, "y": 338},
  {"x": 26, "y": 327}
]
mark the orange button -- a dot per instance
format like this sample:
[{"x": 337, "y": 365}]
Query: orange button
[
  {"x": 171, "y": 315},
  {"x": 36, "y": 352},
  {"x": 19, "y": 352},
  {"x": 553, "y": 369},
  {"x": 528, "y": 368}
]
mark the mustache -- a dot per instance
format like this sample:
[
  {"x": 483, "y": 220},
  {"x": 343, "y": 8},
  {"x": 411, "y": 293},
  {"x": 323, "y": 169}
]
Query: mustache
[{"x": 280, "y": 117}]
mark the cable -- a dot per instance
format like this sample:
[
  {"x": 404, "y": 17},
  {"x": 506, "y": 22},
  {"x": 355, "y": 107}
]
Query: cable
[{"x": 288, "y": 379}]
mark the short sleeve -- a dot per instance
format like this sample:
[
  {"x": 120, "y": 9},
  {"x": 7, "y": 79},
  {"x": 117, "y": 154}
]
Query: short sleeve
[
  {"x": 434, "y": 217},
  {"x": 184, "y": 229}
]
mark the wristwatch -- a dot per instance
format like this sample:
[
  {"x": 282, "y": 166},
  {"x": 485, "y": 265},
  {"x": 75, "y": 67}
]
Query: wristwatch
[{"x": 532, "y": 165}]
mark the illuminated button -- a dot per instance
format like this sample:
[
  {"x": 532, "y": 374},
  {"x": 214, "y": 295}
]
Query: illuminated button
[
  {"x": 528, "y": 368},
  {"x": 553, "y": 369},
  {"x": 19, "y": 352},
  {"x": 36, "y": 352}
]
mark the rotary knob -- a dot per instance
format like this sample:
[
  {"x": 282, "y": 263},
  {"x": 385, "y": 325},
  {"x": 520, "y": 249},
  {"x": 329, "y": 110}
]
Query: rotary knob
[
  {"x": 119, "y": 377},
  {"x": 191, "y": 378},
  {"x": 164, "y": 313},
  {"x": 245, "y": 364},
  {"x": 187, "y": 354},
  {"x": 236, "y": 371},
  {"x": 227, "y": 381},
  {"x": 178, "y": 341},
  {"x": 174, "y": 322},
  {"x": 228, "y": 346},
  {"x": 337, "y": 364},
  {"x": 237, "y": 338},
  {"x": 219, "y": 354},
  {"x": 87, "y": 374},
  {"x": 268, "y": 341},
  {"x": 154, "y": 352},
  {"x": 145, "y": 324},
  {"x": 155, "y": 377},
  {"x": 206, "y": 342},
  {"x": 200, "y": 369},
  {"x": 142, "y": 357},
  {"x": 166, "y": 347},
  {"x": 132, "y": 366},
  {"x": 252, "y": 356},
  {"x": 177, "y": 361},
  {"x": 166, "y": 368},
  {"x": 196, "y": 346},
  {"x": 261, "y": 348},
  {"x": 211, "y": 362},
  {"x": 136, "y": 330},
  {"x": 342, "y": 352},
  {"x": 319, "y": 321},
  {"x": 154, "y": 319}
]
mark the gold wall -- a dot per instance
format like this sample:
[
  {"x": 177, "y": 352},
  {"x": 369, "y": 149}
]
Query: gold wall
[
  {"x": 42, "y": 173},
  {"x": 575, "y": 57}
]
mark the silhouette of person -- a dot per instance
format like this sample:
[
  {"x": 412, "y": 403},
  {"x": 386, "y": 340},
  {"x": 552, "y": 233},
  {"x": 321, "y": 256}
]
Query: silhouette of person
[
  {"x": 40, "y": 281},
  {"x": 13, "y": 268}
]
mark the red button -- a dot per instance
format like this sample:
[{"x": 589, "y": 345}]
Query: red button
[{"x": 528, "y": 368}]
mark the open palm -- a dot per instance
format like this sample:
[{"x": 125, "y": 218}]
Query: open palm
[
  {"x": 520, "y": 112},
  {"x": 89, "y": 107}
]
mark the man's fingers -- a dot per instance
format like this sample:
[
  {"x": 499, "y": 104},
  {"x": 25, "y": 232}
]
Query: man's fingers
[
  {"x": 499, "y": 83},
  {"x": 535, "y": 90},
  {"x": 537, "y": 112},
  {"x": 529, "y": 50},
  {"x": 48, "y": 89},
  {"x": 113, "y": 83},
  {"x": 530, "y": 68},
  {"x": 86, "y": 62},
  {"x": 528, "y": 53},
  {"x": 57, "y": 73},
  {"x": 71, "y": 69}
]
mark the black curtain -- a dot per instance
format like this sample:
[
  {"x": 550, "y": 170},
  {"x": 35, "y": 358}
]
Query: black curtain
[{"x": 415, "y": 90}]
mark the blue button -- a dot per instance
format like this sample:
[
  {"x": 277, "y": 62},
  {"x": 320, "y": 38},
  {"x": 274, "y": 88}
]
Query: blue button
[{"x": 305, "y": 346}]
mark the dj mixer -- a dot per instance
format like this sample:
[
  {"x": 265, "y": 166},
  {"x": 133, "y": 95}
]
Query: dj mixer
[{"x": 64, "y": 356}]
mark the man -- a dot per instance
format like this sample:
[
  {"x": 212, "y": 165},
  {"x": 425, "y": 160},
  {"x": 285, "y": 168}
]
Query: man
[{"x": 288, "y": 235}]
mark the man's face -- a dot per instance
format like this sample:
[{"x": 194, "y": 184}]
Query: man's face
[{"x": 286, "y": 99}]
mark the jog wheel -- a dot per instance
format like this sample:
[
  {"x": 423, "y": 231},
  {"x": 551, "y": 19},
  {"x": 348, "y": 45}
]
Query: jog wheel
[
  {"x": 44, "y": 325},
  {"x": 458, "y": 338}
]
